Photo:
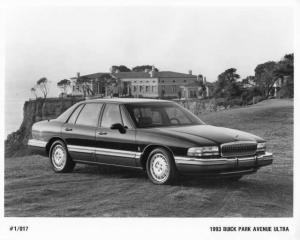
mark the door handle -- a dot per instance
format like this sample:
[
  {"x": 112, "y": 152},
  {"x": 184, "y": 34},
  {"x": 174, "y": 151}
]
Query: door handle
[
  {"x": 102, "y": 133},
  {"x": 68, "y": 129}
]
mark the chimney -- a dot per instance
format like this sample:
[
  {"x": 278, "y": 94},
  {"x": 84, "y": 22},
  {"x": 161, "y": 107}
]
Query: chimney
[
  {"x": 78, "y": 75},
  {"x": 190, "y": 72},
  {"x": 152, "y": 72}
]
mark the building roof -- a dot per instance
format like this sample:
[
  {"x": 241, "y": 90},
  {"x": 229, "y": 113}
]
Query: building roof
[
  {"x": 161, "y": 74},
  {"x": 95, "y": 75},
  {"x": 170, "y": 74},
  {"x": 132, "y": 75}
]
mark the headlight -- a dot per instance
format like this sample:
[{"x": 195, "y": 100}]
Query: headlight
[
  {"x": 203, "y": 151},
  {"x": 261, "y": 147}
]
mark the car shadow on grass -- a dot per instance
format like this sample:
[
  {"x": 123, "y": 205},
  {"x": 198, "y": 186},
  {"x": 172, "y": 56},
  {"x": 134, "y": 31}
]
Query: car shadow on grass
[
  {"x": 110, "y": 172},
  {"x": 183, "y": 180}
]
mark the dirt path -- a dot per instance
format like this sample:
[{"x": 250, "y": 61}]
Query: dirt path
[{"x": 32, "y": 189}]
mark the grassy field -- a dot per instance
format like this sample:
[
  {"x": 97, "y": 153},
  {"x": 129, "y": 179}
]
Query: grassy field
[{"x": 32, "y": 189}]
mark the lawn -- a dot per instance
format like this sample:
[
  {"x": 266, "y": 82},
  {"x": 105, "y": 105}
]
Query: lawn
[{"x": 32, "y": 189}]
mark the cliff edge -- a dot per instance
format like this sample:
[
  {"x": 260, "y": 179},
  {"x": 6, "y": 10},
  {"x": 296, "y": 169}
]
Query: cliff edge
[{"x": 34, "y": 111}]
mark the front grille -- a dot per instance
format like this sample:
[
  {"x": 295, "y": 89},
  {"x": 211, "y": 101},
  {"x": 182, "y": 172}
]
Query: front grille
[{"x": 238, "y": 149}]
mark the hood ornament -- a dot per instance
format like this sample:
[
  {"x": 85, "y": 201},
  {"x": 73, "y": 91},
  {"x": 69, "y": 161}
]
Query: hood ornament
[{"x": 236, "y": 137}]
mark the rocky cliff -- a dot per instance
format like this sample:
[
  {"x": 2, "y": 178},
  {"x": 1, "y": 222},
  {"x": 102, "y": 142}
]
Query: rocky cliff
[{"x": 33, "y": 111}]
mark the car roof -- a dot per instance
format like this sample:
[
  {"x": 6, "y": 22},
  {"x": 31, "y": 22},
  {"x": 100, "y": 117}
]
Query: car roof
[{"x": 126, "y": 100}]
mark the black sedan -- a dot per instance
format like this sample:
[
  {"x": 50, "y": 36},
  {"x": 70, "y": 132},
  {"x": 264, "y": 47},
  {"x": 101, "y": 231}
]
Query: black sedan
[{"x": 157, "y": 136}]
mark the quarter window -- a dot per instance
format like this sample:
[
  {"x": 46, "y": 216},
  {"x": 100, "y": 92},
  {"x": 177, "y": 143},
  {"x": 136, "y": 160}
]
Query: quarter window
[
  {"x": 89, "y": 114},
  {"x": 111, "y": 115},
  {"x": 74, "y": 115},
  {"x": 125, "y": 118}
]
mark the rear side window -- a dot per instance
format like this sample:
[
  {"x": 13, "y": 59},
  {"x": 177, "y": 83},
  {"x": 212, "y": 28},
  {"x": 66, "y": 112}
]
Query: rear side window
[
  {"x": 74, "y": 115},
  {"x": 111, "y": 115},
  {"x": 89, "y": 114}
]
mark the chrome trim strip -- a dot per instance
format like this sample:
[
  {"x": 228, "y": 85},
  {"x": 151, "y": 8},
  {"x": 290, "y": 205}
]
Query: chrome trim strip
[
  {"x": 36, "y": 143},
  {"x": 221, "y": 160},
  {"x": 107, "y": 164},
  {"x": 104, "y": 151}
]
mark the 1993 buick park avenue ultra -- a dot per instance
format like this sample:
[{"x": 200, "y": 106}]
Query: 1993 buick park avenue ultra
[{"x": 157, "y": 136}]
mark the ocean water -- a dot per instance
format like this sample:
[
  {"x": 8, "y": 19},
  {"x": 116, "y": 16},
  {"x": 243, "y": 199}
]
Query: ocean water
[{"x": 13, "y": 114}]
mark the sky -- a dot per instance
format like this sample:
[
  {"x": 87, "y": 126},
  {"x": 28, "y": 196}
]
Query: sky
[{"x": 57, "y": 42}]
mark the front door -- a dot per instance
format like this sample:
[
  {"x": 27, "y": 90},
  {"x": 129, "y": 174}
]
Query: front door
[
  {"x": 80, "y": 131},
  {"x": 115, "y": 147}
]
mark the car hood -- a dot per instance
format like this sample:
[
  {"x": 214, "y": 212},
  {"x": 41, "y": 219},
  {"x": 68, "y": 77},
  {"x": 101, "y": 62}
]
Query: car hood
[{"x": 219, "y": 135}]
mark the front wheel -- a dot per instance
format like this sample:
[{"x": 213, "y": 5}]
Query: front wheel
[
  {"x": 160, "y": 167},
  {"x": 60, "y": 158}
]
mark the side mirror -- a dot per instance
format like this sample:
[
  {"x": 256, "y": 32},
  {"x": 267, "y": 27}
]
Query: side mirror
[{"x": 119, "y": 127}]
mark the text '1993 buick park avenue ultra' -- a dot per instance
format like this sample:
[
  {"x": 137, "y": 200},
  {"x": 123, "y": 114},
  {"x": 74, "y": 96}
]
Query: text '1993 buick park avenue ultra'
[{"x": 158, "y": 136}]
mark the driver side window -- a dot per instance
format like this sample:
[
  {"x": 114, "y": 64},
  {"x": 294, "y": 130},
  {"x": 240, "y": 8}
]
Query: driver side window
[{"x": 111, "y": 115}]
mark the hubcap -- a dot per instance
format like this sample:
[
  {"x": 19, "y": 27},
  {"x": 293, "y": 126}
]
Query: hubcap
[
  {"x": 58, "y": 157},
  {"x": 159, "y": 167}
]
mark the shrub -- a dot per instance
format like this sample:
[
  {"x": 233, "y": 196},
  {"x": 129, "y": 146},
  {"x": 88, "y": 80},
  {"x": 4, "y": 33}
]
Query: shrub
[
  {"x": 257, "y": 99},
  {"x": 235, "y": 102}
]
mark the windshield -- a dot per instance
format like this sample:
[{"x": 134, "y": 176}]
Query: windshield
[{"x": 147, "y": 115}]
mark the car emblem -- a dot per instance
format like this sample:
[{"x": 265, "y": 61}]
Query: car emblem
[{"x": 236, "y": 137}]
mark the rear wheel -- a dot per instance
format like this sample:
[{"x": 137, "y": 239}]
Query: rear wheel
[
  {"x": 60, "y": 158},
  {"x": 160, "y": 167}
]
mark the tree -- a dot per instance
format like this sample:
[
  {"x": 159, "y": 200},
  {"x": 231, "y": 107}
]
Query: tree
[
  {"x": 84, "y": 82},
  {"x": 43, "y": 85},
  {"x": 285, "y": 67},
  {"x": 64, "y": 85},
  {"x": 285, "y": 70},
  {"x": 265, "y": 77},
  {"x": 33, "y": 91},
  {"x": 109, "y": 82},
  {"x": 142, "y": 68},
  {"x": 227, "y": 86},
  {"x": 249, "y": 80},
  {"x": 121, "y": 68}
]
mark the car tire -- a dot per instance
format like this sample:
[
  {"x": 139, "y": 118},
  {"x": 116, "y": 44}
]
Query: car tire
[
  {"x": 60, "y": 159},
  {"x": 161, "y": 167}
]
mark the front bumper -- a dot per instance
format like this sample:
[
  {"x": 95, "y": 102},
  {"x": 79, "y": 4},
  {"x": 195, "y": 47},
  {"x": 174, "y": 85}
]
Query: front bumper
[{"x": 241, "y": 165}]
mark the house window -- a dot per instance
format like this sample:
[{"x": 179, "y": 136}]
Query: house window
[
  {"x": 153, "y": 88},
  {"x": 147, "y": 88},
  {"x": 134, "y": 89},
  {"x": 173, "y": 89},
  {"x": 141, "y": 88}
]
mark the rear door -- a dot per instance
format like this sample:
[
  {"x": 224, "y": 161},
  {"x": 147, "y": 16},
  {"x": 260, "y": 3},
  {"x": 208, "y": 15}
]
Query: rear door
[
  {"x": 80, "y": 131},
  {"x": 112, "y": 146}
]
